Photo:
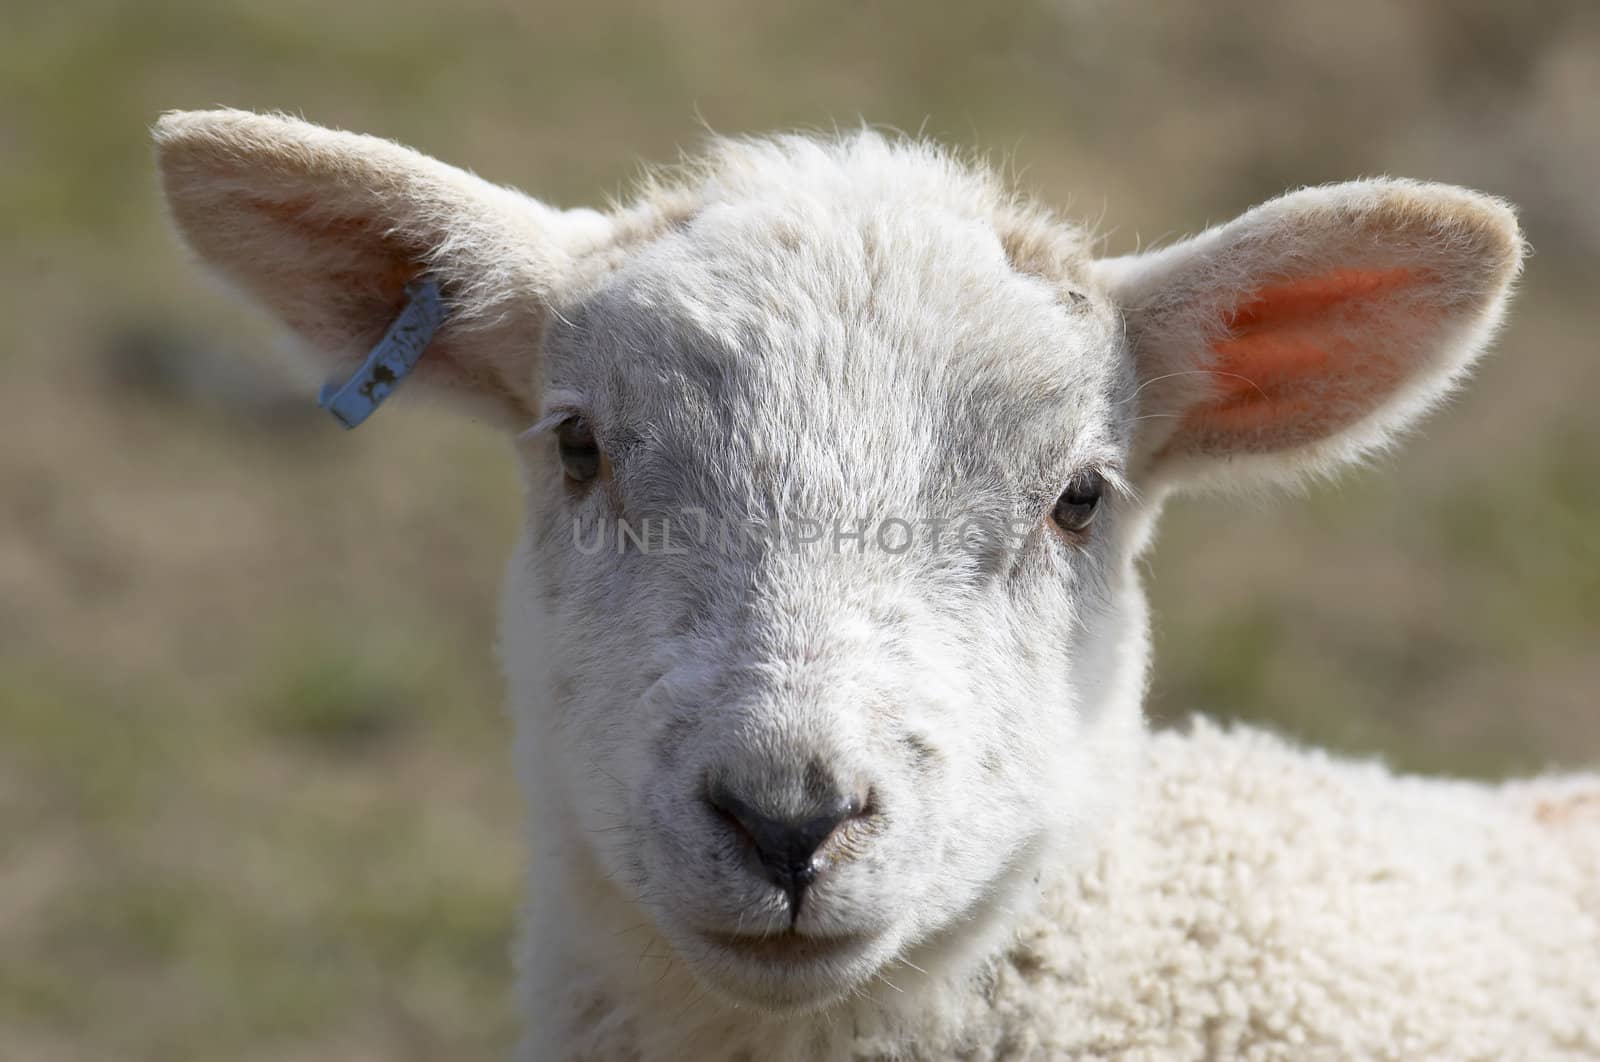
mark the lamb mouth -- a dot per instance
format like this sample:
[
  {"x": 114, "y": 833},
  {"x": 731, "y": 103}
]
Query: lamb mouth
[{"x": 787, "y": 946}]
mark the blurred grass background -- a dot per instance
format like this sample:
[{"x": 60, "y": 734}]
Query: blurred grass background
[{"x": 255, "y": 793}]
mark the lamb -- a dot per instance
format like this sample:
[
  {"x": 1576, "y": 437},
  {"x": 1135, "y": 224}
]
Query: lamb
[{"x": 838, "y": 752}]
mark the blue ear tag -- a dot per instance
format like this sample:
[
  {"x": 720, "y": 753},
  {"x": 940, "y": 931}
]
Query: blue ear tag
[{"x": 396, "y": 354}]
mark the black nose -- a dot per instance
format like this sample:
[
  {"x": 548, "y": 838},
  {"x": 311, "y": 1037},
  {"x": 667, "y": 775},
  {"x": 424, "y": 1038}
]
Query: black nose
[{"x": 785, "y": 846}]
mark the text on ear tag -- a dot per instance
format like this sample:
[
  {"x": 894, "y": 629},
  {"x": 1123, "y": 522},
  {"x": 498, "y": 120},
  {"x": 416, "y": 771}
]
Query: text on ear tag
[{"x": 396, "y": 354}]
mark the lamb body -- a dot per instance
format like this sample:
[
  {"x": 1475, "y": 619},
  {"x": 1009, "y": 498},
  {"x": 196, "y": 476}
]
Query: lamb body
[{"x": 794, "y": 801}]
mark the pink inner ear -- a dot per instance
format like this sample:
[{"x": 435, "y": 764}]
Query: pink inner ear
[
  {"x": 345, "y": 253},
  {"x": 1306, "y": 358}
]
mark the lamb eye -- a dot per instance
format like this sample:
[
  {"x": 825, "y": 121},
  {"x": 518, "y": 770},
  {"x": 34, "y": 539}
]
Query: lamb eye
[
  {"x": 1079, "y": 502},
  {"x": 580, "y": 454}
]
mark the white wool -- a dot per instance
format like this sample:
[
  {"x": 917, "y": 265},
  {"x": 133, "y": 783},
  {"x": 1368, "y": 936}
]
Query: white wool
[{"x": 860, "y": 332}]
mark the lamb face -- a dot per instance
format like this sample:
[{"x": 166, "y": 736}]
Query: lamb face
[
  {"x": 823, "y": 633},
  {"x": 840, "y": 427}
]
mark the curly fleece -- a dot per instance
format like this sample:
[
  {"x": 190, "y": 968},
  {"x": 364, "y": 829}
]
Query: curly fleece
[{"x": 1264, "y": 901}]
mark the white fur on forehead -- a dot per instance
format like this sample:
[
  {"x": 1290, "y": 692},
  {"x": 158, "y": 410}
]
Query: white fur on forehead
[
  {"x": 818, "y": 284},
  {"x": 858, "y": 168}
]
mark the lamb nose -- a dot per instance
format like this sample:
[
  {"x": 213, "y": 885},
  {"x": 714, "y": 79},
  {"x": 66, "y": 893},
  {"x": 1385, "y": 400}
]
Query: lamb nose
[{"x": 786, "y": 846}]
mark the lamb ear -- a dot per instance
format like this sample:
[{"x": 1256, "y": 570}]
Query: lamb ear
[
  {"x": 327, "y": 228},
  {"x": 1311, "y": 328}
]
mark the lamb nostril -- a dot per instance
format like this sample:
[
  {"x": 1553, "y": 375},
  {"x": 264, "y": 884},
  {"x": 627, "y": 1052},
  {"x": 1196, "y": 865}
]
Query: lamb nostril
[{"x": 786, "y": 845}]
